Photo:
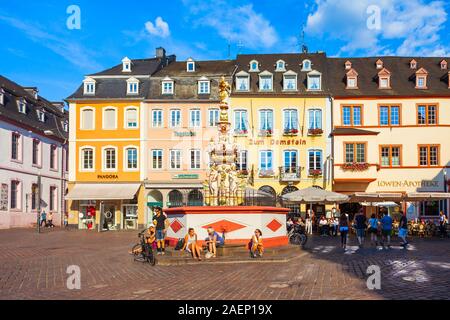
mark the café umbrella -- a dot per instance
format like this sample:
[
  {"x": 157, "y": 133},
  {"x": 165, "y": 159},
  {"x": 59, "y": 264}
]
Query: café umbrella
[{"x": 314, "y": 195}]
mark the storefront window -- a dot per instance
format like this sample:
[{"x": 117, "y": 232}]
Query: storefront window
[
  {"x": 87, "y": 212},
  {"x": 431, "y": 208}
]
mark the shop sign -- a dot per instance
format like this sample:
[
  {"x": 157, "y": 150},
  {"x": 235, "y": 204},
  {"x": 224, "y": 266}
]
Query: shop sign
[
  {"x": 277, "y": 142},
  {"x": 186, "y": 176},
  {"x": 185, "y": 134},
  {"x": 409, "y": 184},
  {"x": 107, "y": 176}
]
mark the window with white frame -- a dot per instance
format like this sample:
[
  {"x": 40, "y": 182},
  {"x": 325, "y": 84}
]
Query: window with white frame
[
  {"x": 157, "y": 159},
  {"x": 53, "y": 199},
  {"x": 280, "y": 66},
  {"x": 306, "y": 65},
  {"x": 240, "y": 121},
  {"x": 133, "y": 86},
  {"x": 167, "y": 87},
  {"x": 2, "y": 97},
  {"x": 290, "y": 120},
  {"x": 41, "y": 115},
  {"x": 242, "y": 83},
  {"x": 87, "y": 119},
  {"x": 175, "y": 118},
  {"x": 109, "y": 159},
  {"x": 195, "y": 159},
  {"x": 175, "y": 159},
  {"x": 204, "y": 87},
  {"x": 194, "y": 118},
  {"x": 290, "y": 82},
  {"x": 109, "y": 119},
  {"x": 157, "y": 118},
  {"x": 36, "y": 152},
  {"x": 314, "y": 81},
  {"x": 22, "y": 105},
  {"x": 131, "y": 118},
  {"x": 266, "y": 120},
  {"x": 266, "y": 160},
  {"x": 16, "y": 196},
  {"x": 315, "y": 159},
  {"x": 34, "y": 196},
  {"x": 16, "y": 146},
  {"x": 315, "y": 119},
  {"x": 87, "y": 159},
  {"x": 241, "y": 163},
  {"x": 89, "y": 86},
  {"x": 126, "y": 65},
  {"x": 53, "y": 157},
  {"x": 190, "y": 65},
  {"x": 65, "y": 126},
  {"x": 213, "y": 117},
  {"x": 131, "y": 158},
  {"x": 290, "y": 160},
  {"x": 254, "y": 66},
  {"x": 265, "y": 82}
]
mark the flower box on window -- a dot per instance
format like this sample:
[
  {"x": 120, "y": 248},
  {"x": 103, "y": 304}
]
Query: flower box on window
[
  {"x": 315, "y": 132},
  {"x": 240, "y": 132},
  {"x": 265, "y": 133},
  {"x": 243, "y": 173},
  {"x": 290, "y": 132},
  {"x": 266, "y": 173},
  {"x": 355, "y": 166},
  {"x": 315, "y": 172}
]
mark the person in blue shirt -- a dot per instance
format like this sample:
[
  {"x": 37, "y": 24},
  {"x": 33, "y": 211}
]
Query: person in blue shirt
[
  {"x": 403, "y": 229},
  {"x": 213, "y": 241},
  {"x": 386, "y": 229},
  {"x": 373, "y": 229}
]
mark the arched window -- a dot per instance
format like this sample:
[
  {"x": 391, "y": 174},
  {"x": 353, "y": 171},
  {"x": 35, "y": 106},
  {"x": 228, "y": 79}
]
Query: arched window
[
  {"x": 87, "y": 158},
  {"x": 87, "y": 119},
  {"x": 109, "y": 159},
  {"x": 109, "y": 118},
  {"x": 175, "y": 199},
  {"x": 254, "y": 66},
  {"x": 131, "y": 118},
  {"x": 131, "y": 158},
  {"x": 195, "y": 198}
]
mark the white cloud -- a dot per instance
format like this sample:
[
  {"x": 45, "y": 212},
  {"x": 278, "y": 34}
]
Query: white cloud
[
  {"x": 408, "y": 27},
  {"x": 73, "y": 52},
  {"x": 234, "y": 23},
  {"x": 160, "y": 28}
]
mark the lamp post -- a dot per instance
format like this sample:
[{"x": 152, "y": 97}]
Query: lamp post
[
  {"x": 445, "y": 190},
  {"x": 39, "y": 202}
]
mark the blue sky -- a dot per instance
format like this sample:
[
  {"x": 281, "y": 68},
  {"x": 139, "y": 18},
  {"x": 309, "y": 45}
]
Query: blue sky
[{"x": 39, "y": 50}]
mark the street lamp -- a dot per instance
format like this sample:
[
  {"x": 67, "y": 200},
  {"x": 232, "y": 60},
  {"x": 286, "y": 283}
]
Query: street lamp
[{"x": 39, "y": 202}]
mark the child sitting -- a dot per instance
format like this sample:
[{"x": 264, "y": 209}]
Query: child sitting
[
  {"x": 150, "y": 238},
  {"x": 256, "y": 245}
]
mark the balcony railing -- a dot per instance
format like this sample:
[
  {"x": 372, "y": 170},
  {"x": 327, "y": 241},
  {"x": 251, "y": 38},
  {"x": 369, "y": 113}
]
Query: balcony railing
[{"x": 288, "y": 174}]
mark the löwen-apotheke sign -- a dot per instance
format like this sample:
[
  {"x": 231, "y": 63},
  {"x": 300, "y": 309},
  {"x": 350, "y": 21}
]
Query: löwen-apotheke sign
[{"x": 410, "y": 184}]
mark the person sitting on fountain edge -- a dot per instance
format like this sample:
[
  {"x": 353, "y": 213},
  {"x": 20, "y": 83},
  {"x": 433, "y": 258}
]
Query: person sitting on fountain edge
[
  {"x": 213, "y": 240},
  {"x": 256, "y": 245}
]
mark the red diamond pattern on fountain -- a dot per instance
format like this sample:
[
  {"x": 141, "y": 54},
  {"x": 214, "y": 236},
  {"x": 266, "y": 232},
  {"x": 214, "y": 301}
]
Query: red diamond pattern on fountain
[
  {"x": 274, "y": 225},
  {"x": 224, "y": 226},
  {"x": 176, "y": 225}
]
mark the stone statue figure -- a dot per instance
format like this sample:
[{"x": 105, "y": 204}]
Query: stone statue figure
[
  {"x": 234, "y": 184},
  {"x": 214, "y": 183}
]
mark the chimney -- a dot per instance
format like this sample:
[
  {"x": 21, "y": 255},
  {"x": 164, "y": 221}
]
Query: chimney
[{"x": 160, "y": 52}]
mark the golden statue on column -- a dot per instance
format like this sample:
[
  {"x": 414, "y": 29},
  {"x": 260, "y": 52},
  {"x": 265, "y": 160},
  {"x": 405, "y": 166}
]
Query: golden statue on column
[{"x": 224, "y": 187}]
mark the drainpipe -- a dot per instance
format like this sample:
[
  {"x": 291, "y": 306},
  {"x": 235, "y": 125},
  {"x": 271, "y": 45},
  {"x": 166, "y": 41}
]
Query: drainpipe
[{"x": 332, "y": 142}]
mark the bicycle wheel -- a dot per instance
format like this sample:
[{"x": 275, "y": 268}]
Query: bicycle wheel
[
  {"x": 295, "y": 239},
  {"x": 304, "y": 239},
  {"x": 134, "y": 250},
  {"x": 151, "y": 259}
]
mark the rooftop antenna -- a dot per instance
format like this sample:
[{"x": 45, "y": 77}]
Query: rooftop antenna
[{"x": 304, "y": 48}]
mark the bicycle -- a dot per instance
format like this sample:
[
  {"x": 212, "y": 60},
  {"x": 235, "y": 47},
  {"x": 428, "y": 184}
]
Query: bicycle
[
  {"x": 143, "y": 252},
  {"x": 297, "y": 235}
]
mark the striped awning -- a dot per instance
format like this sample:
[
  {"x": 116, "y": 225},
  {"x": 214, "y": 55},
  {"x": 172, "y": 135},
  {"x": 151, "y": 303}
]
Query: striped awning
[{"x": 103, "y": 191}]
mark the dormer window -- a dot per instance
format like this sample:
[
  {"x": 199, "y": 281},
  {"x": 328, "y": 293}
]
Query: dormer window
[
  {"x": 443, "y": 65},
  {"x": 167, "y": 86},
  {"x": 265, "y": 81},
  {"x": 384, "y": 79},
  {"x": 41, "y": 115},
  {"x": 2, "y": 97},
  {"x": 379, "y": 64},
  {"x": 126, "y": 65},
  {"x": 314, "y": 81},
  {"x": 306, "y": 65},
  {"x": 413, "y": 64},
  {"x": 190, "y": 65},
  {"x": 89, "y": 86},
  {"x": 204, "y": 86},
  {"x": 348, "y": 65},
  {"x": 65, "y": 126},
  {"x": 281, "y": 66},
  {"x": 421, "y": 78},
  {"x": 254, "y": 66},
  {"x": 132, "y": 86},
  {"x": 352, "y": 79},
  {"x": 448, "y": 79},
  {"x": 22, "y": 105},
  {"x": 290, "y": 81},
  {"x": 242, "y": 81}
]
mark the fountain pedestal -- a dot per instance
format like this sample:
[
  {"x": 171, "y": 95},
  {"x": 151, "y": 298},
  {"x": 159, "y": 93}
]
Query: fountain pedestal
[{"x": 238, "y": 223}]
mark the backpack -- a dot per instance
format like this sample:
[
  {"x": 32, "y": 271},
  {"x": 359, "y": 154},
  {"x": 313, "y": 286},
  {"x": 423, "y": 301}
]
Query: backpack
[{"x": 180, "y": 244}]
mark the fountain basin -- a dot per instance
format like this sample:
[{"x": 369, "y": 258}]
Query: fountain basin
[{"x": 238, "y": 223}]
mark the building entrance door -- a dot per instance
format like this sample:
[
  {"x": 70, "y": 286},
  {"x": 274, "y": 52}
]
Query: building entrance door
[{"x": 108, "y": 217}]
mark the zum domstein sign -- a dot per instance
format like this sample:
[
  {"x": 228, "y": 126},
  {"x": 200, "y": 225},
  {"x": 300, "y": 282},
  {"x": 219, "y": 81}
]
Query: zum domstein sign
[
  {"x": 277, "y": 142},
  {"x": 407, "y": 184}
]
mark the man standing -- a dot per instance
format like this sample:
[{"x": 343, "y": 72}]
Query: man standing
[
  {"x": 386, "y": 229},
  {"x": 403, "y": 229},
  {"x": 160, "y": 221},
  {"x": 442, "y": 224},
  {"x": 43, "y": 218},
  {"x": 360, "y": 221}
]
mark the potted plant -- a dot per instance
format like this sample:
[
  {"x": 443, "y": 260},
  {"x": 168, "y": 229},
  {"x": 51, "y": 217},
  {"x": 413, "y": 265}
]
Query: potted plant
[
  {"x": 265, "y": 132},
  {"x": 240, "y": 132},
  {"x": 315, "y": 172},
  {"x": 355, "y": 166},
  {"x": 290, "y": 132},
  {"x": 315, "y": 131}
]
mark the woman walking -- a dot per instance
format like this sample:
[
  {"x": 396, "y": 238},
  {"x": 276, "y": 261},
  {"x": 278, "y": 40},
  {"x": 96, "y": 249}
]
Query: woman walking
[
  {"x": 373, "y": 229},
  {"x": 343, "y": 229}
]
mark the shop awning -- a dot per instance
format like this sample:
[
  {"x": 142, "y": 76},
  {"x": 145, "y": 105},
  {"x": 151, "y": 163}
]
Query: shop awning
[
  {"x": 426, "y": 196},
  {"x": 314, "y": 195},
  {"x": 375, "y": 197},
  {"x": 103, "y": 191}
]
